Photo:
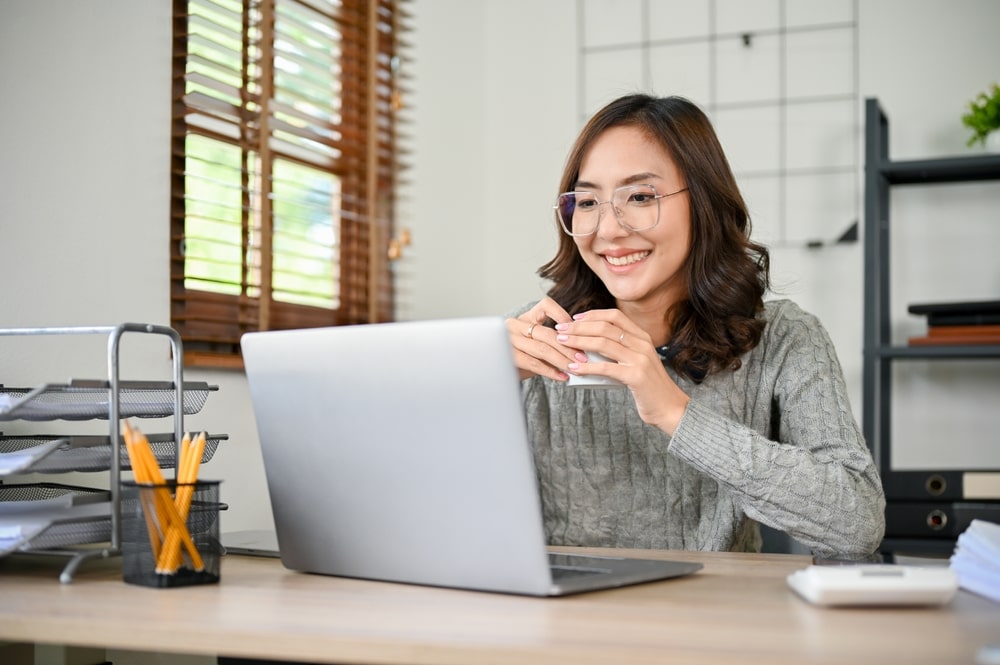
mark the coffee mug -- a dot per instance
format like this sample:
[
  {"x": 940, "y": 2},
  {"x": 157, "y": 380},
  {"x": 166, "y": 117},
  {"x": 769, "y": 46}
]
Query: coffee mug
[{"x": 593, "y": 380}]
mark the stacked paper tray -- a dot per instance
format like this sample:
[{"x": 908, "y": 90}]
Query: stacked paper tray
[
  {"x": 85, "y": 400},
  {"x": 44, "y": 453},
  {"x": 50, "y": 515}
]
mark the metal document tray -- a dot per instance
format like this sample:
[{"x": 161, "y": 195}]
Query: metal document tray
[
  {"x": 51, "y": 453},
  {"x": 80, "y": 515},
  {"x": 85, "y": 400}
]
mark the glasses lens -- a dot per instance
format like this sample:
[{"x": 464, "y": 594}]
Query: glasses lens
[
  {"x": 637, "y": 206},
  {"x": 577, "y": 212}
]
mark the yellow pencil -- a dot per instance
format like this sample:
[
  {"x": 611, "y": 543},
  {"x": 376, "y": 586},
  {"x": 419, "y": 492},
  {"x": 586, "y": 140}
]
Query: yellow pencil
[
  {"x": 146, "y": 502},
  {"x": 147, "y": 470},
  {"x": 187, "y": 475},
  {"x": 169, "y": 559}
]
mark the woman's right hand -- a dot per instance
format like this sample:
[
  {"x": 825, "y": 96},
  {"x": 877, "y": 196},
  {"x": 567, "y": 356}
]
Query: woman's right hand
[{"x": 536, "y": 351}]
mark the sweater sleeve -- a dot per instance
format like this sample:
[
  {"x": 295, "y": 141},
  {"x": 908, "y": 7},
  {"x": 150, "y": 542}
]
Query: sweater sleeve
[{"x": 815, "y": 479}]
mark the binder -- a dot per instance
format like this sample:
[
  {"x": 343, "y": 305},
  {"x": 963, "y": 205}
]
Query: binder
[
  {"x": 942, "y": 485},
  {"x": 946, "y": 520}
]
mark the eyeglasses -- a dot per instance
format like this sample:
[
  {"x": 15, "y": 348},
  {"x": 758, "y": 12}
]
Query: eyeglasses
[{"x": 636, "y": 207}]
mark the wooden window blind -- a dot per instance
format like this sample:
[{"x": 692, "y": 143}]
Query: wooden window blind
[{"x": 285, "y": 155}]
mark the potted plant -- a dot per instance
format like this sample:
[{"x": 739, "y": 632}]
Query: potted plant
[{"x": 983, "y": 116}]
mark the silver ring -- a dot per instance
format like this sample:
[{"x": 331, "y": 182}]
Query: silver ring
[{"x": 527, "y": 333}]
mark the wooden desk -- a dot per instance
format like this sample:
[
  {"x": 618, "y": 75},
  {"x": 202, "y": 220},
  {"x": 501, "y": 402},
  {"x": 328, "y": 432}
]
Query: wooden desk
[{"x": 736, "y": 610}]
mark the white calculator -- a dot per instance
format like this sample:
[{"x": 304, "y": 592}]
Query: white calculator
[{"x": 875, "y": 584}]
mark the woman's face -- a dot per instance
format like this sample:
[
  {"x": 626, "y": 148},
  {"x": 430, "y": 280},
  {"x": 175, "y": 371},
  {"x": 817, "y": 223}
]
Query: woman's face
[{"x": 639, "y": 268}]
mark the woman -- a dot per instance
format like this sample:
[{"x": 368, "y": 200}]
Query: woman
[{"x": 736, "y": 411}]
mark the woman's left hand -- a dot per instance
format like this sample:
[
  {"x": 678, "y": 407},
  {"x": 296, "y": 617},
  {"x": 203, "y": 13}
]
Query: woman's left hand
[{"x": 635, "y": 363}]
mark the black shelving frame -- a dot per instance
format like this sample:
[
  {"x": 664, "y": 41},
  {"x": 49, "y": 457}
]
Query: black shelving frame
[{"x": 926, "y": 510}]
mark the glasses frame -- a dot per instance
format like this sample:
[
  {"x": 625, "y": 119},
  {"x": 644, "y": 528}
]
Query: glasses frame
[{"x": 618, "y": 214}]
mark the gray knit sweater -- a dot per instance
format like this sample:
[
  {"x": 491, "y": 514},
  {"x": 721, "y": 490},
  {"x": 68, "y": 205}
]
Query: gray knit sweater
[{"x": 773, "y": 442}]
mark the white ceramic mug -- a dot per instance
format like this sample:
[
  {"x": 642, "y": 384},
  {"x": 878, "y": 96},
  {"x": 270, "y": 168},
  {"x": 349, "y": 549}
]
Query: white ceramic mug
[{"x": 593, "y": 380}]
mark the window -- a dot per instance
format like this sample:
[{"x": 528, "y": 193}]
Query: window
[{"x": 285, "y": 144}]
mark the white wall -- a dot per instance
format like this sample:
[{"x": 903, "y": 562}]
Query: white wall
[
  {"x": 495, "y": 114},
  {"x": 84, "y": 157}
]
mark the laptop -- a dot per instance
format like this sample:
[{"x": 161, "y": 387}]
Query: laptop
[
  {"x": 250, "y": 542},
  {"x": 399, "y": 452}
]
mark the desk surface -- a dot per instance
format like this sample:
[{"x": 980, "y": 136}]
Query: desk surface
[{"x": 738, "y": 609}]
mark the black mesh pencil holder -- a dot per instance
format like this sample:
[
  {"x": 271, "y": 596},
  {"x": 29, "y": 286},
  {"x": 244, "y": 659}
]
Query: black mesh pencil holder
[{"x": 170, "y": 533}]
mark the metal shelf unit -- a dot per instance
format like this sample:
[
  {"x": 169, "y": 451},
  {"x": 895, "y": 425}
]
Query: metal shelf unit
[
  {"x": 91, "y": 516},
  {"x": 926, "y": 510}
]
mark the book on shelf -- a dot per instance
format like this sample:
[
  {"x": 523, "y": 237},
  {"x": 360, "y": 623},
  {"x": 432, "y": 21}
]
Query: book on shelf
[
  {"x": 964, "y": 331},
  {"x": 985, "y": 334},
  {"x": 970, "y": 322},
  {"x": 941, "y": 339},
  {"x": 965, "y": 313},
  {"x": 949, "y": 320}
]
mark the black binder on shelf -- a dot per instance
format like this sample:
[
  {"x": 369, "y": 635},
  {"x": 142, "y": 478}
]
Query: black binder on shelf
[
  {"x": 942, "y": 485},
  {"x": 944, "y": 520}
]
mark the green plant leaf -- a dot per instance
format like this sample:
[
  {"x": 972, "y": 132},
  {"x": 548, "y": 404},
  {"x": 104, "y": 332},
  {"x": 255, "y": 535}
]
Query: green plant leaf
[{"x": 983, "y": 115}]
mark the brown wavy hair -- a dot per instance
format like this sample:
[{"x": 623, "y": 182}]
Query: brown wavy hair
[{"x": 726, "y": 273}]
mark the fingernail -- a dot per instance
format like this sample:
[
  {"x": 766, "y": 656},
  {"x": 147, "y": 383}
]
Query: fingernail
[
  {"x": 573, "y": 367},
  {"x": 579, "y": 316},
  {"x": 562, "y": 338},
  {"x": 582, "y": 357},
  {"x": 562, "y": 326}
]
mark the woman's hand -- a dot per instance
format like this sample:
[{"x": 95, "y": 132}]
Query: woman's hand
[
  {"x": 536, "y": 351},
  {"x": 635, "y": 363}
]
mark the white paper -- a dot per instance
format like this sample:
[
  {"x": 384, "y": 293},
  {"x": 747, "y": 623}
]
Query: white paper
[
  {"x": 22, "y": 460},
  {"x": 976, "y": 560},
  {"x": 18, "y": 530},
  {"x": 40, "y": 506},
  {"x": 14, "y": 535}
]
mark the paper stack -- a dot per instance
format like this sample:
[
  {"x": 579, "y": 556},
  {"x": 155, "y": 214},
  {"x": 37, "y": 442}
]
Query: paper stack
[{"x": 976, "y": 560}]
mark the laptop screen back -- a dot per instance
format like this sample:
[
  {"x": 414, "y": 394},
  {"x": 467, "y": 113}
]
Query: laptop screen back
[{"x": 398, "y": 451}]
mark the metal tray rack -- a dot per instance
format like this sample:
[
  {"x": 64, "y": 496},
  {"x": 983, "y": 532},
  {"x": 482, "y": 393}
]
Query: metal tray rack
[
  {"x": 56, "y": 453},
  {"x": 87, "y": 400},
  {"x": 72, "y": 515},
  {"x": 85, "y": 516}
]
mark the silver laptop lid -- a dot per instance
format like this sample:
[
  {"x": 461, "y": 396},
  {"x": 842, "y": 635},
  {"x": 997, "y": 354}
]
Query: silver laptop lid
[{"x": 398, "y": 451}]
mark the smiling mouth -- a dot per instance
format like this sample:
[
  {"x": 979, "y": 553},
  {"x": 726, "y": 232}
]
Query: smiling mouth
[{"x": 626, "y": 260}]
